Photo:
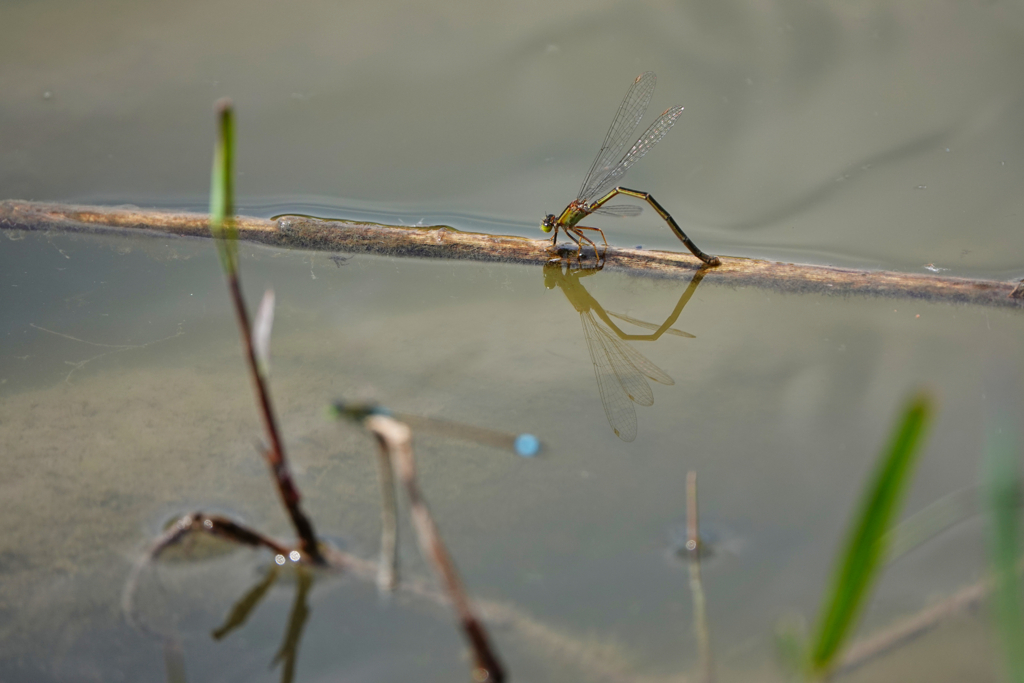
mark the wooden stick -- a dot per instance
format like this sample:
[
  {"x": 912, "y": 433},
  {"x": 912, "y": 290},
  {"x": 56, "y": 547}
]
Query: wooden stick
[
  {"x": 398, "y": 439},
  {"x": 443, "y": 242}
]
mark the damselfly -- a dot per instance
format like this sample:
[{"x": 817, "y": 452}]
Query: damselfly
[{"x": 611, "y": 164}]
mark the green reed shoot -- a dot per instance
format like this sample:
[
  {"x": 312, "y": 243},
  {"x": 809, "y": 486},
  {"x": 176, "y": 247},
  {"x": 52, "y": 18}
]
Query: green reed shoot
[
  {"x": 222, "y": 209},
  {"x": 1003, "y": 498},
  {"x": 865, "y": 548}
]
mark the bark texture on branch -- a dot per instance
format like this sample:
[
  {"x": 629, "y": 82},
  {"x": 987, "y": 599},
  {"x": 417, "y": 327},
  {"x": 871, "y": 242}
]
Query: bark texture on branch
[{"x": 443, "y": 242}]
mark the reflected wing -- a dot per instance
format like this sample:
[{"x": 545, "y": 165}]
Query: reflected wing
[
  {"x": 620, "y": 133},
  {"x": 618, "y": 407},
  {"x": 631, "y": 367},
  {"x": 650, "y": 326},
  {"x": 611, "y": 177},
  {"x": 621, "y": 210}
]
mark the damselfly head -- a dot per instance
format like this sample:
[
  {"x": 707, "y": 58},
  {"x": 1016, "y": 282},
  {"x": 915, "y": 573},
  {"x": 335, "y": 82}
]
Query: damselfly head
[{"x": 548, "y": 224}]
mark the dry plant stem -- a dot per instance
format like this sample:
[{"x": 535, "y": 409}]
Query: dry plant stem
[
  {"x": 275, "y": 453},
  {"x": 700, "y": 614},
  {"x": 398, "y": 440},
  {"x": 442, "y": 242},
  {"x": 387, "y": 571},
  {"x": 214, "y": 525}
]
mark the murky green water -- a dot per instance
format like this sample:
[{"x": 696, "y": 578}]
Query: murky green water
[
  {"x": 867, "y": 134},
  {"x": 780, "y": 404}
]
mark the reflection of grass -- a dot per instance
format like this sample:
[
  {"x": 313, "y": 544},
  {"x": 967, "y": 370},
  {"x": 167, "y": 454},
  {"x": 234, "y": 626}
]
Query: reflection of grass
[{"x": 1002, "y": 488}]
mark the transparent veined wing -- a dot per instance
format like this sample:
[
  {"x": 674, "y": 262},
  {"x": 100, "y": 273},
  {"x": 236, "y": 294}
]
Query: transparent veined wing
[
  {"x": 620, "y": 133},
  {"x": 631, "y": 367},
  {"x": 622, "y": 374},
  {"x": 618, "y": 408},
  {"x": 603, "y": 182},
  {"x": 621, "y": 210}
]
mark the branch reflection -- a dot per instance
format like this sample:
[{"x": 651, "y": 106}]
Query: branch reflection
[{"x": 289, "y": 650}]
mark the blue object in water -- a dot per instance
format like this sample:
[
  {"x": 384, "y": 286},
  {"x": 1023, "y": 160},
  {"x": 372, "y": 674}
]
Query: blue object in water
[{"x": 527, "y": 445}]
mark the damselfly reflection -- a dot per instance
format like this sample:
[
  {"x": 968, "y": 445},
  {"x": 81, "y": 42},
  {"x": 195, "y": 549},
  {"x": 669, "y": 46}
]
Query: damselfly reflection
[
  {"x": 611, "y": 164},
  {"x": 622, "y": 371}
]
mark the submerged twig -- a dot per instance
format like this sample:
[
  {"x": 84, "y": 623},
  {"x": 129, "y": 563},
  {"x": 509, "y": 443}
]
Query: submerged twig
[
  {"x": 444, "y": 242},
  {"x": 397, "y": 439}
]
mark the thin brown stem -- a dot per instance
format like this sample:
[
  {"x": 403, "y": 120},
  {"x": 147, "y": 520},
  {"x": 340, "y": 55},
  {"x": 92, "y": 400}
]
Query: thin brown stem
[
  {"x": 398, "y": 439},
  {"x": 275, "y": 453}
]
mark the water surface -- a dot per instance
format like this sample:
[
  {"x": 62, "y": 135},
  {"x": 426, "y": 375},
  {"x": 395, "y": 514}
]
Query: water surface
[
  {"x": 780, "y": 403},
  {"x": 876, "y": 135}
]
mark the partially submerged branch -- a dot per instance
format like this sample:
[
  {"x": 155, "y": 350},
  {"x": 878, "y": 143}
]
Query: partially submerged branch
[
  {"x": 443, "y": 242},
  {"x": 396, "y": 438},
  {"x": 195, "y": 522}
]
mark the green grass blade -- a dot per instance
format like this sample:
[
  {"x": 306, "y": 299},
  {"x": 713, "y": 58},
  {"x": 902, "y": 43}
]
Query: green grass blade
[
  {"x": 865, "y": 548},
  {"x": 222, "y": 209},
  {"x": 1002, "y": 489}
]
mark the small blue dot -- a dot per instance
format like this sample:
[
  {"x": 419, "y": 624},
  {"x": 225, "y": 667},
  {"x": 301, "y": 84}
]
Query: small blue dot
[{"x": 527, "y": 445}]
